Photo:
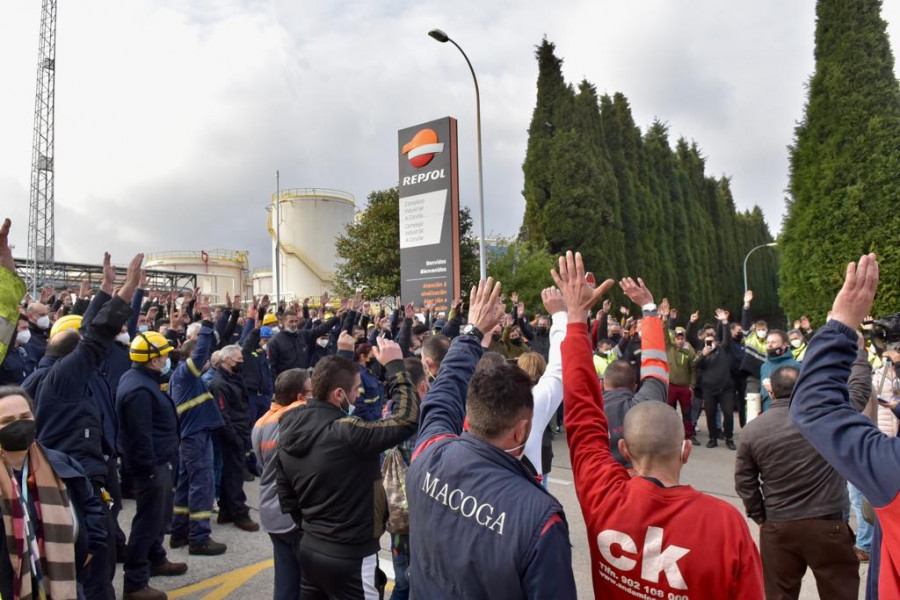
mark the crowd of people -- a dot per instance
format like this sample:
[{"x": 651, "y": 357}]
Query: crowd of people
[{"x": 355, "y": 418}]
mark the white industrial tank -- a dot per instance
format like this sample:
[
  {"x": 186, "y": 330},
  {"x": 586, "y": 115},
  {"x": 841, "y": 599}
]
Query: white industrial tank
[
  {"x": 311, "y": 220},
  {"x": 218, "y": 271}
]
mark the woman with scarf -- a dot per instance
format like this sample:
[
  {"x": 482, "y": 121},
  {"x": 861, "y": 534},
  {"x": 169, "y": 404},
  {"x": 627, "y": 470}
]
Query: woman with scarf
[{"x": 52, "y": 523}]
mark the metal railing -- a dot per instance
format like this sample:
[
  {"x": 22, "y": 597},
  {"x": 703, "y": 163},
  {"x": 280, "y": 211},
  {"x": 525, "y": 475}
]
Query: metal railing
[
  {"x": 216, "y": 254},
  {"x": 323, "y": 193}
]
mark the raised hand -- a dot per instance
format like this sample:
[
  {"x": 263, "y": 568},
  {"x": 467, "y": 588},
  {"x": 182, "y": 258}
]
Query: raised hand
[
  {"x": 227, "y": 300},
  {"x": 664, "y": 309},
  {"x": 553, "y": 300},
  {"x": 485, "y": 308},
  {"x": 520, "y": 310},
  {"x": 6, "y": 257},
  {"x": 638, "y": 292},
  {"x": 748, "y": 297},
  {"x": 85, "y": 289},
  {"x": 577, "y": 292},
  {"x": 410, "y": 311},
  {"x": 386, "y": 351},
  {"x": 264, "y": 304},
  {"x": 721, "y": 315},
  {"x": 514, "y": 297},
  {"x": 854, "y": 301},
  {"x": 109, "y": 275},
  {"x": 143, "y": 283},
  {"x": 132, "y": 277},
  {"x": 203, "y": 309},
  {"x": 237, "y": 303},
  {"x": 346, "y": 341},
  {"x": 695, "y": 316},
  {"x": 606, "y": 306}
]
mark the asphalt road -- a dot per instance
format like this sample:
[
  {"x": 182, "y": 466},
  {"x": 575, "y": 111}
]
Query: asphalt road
[{"x": 245, "y": 570}]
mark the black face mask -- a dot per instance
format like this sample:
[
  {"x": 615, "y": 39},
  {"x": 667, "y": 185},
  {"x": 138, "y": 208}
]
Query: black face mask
[
  {"x": 541, "y": 330},
  {"x": 775, "y": 353},
  {"x": 238, "y": 368},
  {"x": 18, "y": 435},
  {"x": 516, "y": 340}
]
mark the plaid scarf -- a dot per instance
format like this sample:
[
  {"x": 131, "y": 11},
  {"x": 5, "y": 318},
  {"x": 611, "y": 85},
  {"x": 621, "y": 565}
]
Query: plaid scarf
[{"x": 45, "y": 551}]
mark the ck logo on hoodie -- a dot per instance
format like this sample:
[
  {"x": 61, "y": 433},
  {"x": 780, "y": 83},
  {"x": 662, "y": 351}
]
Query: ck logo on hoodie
[
  {"x": 620, "y": 551},
  {"x": 468, "y": 506}
]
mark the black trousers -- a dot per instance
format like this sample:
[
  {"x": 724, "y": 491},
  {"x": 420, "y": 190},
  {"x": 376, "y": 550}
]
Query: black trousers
[
  {"x": 98, "y": 582},
  {"x": 787, "y": 548},
  {"x": 145, "y": 544},
  {"x": 232, "y": 500},
  {"x": 325, "y": 577},
  {"x": 712, "y": 400},
  {"x": 740, "y": 397}
]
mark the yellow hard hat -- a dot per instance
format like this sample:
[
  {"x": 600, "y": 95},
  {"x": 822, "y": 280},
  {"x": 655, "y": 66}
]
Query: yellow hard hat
[
  {"x": 149, "y": 345},
  {"x": 269, "y": 319},
  {"x": 65, "y": 324}
]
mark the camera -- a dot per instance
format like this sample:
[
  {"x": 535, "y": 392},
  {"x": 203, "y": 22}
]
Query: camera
[{"x": 886, "y": 333}]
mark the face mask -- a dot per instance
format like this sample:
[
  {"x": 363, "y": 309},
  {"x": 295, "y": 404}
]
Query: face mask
[
  {"x": 516, "y": 341},
  {"x": 23, "y": 336},
  {"x": 18, "y": 435},
  {"x": 238, "y": 368},
  {"x": 264, "y": 346},
  {"x": 762, "y": 333},
  {"x": 541, "y": 330},
  {"x": 43, "y": 322},
  {"x": 322, "y": 343},
  {"x": 166, "y": 367},
  {"x": 291, "y": 329},
  {"x": 349, "y": 408},
  {"x": 775, "y": 353},
  {"x": 796, "y": 343},
  {"x": 520, "y": 456},
  {"x": 143, "y": 328},
  {"x": 123, "y": 338}
]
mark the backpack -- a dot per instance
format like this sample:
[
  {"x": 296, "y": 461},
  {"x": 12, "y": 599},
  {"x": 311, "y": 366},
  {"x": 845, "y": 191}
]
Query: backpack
[{"x": 393, "y": 477}]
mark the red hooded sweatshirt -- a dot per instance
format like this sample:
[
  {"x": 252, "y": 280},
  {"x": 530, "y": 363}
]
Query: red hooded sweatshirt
[{"x": 647, "y": 541}]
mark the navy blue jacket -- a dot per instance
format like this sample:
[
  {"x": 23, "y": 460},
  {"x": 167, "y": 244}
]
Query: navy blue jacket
[
  {"x": 480, "y": 523},
  {"x": 14, "y": 368},
  {"x": 88, "y": 511},
  {"x": 37, "y": 345},
  {"x": 148, "y": 423},
  {"x": 257, "y": 370},
  {"x": 73, "y": 398},
  {"x": 197, "y": 411},
  {"x": 231, "y": 396}
]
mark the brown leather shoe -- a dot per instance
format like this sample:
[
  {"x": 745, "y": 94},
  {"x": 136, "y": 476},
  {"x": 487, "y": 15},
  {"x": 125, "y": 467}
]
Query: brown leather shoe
[
  {"x": 168, "y": 569},
  {"x": 246, "y": 523},
  {"x": 862, "y": 555},
  {"x": 148, "y": 593}
]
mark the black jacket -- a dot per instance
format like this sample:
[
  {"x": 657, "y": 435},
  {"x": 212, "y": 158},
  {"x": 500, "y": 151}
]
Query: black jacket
[
  {"x": 230, "y": 393},
  {"x": 714, "y": 370},
  {"x": 329, "y": 474},
  {"x": 257, "y": 372},
  {"x": 293, "y": 350}
]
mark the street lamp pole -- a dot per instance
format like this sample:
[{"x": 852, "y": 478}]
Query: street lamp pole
[
  {"x": 482, "y": 257},
  {"x": 772, "y": 244}
]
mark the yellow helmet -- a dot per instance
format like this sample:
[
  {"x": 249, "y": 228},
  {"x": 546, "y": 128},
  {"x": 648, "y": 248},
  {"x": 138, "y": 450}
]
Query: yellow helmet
[
  {"x": 269, "y": 319},
  {"x": 65, "y": 324},
  {"x": 149, "y": 345}
]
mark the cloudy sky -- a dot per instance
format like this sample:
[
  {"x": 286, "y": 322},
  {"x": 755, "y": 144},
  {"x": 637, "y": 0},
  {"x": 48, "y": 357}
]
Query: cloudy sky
[{"x": 173, "y": 115}]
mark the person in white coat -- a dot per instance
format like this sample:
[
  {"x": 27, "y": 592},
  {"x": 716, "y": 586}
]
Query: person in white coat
[{"x": 548, "y": 389}]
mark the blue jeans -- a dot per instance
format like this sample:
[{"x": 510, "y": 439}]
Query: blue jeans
[
  {"x": 287, "y": 564},
  {"x": 864, "y": 531},
  {"x": 400, "y": 554}
]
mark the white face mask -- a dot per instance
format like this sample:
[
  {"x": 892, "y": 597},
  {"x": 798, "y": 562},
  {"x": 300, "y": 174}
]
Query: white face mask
[
  {"x": 23, "y": 336},
  {"x": 123, "y": 338},
  {"x": 521, "y": 455},
  {"x": 322, "y": 343},
  {"x": 43, "y": 322},
  {"x": 762, "y": 333},
  {"x": 796, "y": 343}
]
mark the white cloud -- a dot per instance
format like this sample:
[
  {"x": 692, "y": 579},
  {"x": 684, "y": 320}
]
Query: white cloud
[{"x": 172, "y": 116}]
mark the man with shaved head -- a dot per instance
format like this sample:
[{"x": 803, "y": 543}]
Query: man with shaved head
[{"x": 649, "y": 535}]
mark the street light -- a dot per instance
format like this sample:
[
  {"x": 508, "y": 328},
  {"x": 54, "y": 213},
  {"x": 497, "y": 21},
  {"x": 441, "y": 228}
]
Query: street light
[
  {"x": 772, "y": 244},
  {"x": 443, "y": 38}
]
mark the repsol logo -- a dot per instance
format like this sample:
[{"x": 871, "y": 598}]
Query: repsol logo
[
  {"x": 620, "y": 551},
  {"x": 420, "y": 177},
  {"x": 467, "y": 506}
]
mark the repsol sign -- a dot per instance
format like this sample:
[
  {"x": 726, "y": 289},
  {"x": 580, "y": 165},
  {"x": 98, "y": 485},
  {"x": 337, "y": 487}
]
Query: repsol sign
[{"x": 434, "y": 175}]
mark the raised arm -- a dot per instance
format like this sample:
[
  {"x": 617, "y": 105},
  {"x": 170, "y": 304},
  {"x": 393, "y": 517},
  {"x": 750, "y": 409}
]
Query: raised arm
[
  {"x": 820, "y": 404},
  {"x": 548, "y": 392},
  {"x": 587, "y": 429},
  {"x": 444, "y": 408},
  {"x": 654, "y": 362}
]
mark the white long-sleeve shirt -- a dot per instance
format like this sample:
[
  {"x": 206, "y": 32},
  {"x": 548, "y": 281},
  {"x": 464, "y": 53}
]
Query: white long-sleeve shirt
[{"x": 547, "y": 392}]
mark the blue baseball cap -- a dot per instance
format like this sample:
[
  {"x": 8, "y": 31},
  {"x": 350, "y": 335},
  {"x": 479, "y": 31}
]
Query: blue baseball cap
[{"x": 265, "y": 332}]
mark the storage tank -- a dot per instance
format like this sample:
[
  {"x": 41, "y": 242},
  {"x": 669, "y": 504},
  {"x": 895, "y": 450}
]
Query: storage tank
[
  {"x": 218, "y": 271},
  {"x": 262, "y": 282},
  {"x": 311, "y": 220}
]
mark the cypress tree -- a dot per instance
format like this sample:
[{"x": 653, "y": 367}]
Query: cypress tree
[{"x": 845, "y": 163}]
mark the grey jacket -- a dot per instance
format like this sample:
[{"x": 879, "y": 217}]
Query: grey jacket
[{"x": 780, "y": 476}]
